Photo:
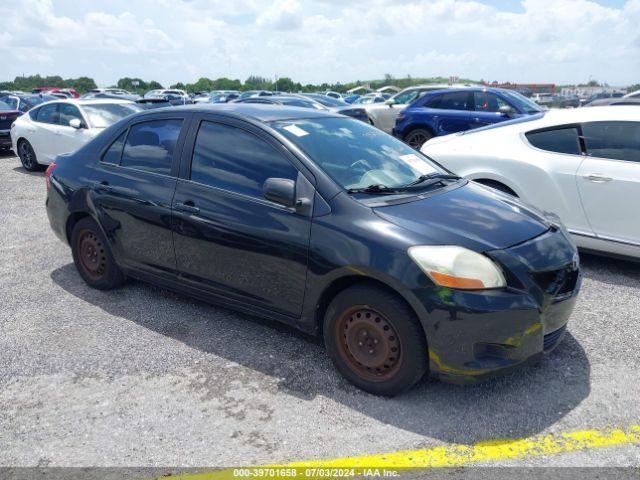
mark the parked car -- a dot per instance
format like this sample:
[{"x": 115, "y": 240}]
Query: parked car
[
  {"x": 150, "y": 103},
  {"x": 324, "y": 223},
  {"x": 372, "y": 98},
  {"x": 351, "y": 98},
  {"x": 255, "y": 93},
  {"x": 601, "y": 95},
  {"x": 583, "y": 165},
  {"x": 130, "y": 96},
  {"x": 23, "y": 102},
  {"x": 383, "y": 115},
  {"x": 293, "y": 100},
  {"x": 324, "y": 100},
  {"x": 614, "y": 101},
  {"x": 542, "y": 99},
  {"x": 63, "y": 126},
  {"x": 565, "y": 101},
  {"x": 67, "y": 92},
  {"x": 440, "y": 112},
  {"x": 8, "y": 115},
  {"x": 173, "y": 95},
  {"x": 223, "y": 96},
  {"x": 634, "y": 94}
]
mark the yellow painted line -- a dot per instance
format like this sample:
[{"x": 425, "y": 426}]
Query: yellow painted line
[{"x": 456, "y": 455}]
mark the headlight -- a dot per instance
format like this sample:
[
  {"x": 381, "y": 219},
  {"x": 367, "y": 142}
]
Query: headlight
[{"x": 457, "y": 267}]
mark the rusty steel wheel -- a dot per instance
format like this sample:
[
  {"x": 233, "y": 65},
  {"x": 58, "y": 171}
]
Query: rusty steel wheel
[
  {"x": 91, "y": 254},
  {"x": 368, "y": 343}
]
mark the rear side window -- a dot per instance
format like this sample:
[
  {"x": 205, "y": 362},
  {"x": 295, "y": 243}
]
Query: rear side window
[
  {"x": 616, "y": 140},
  {"x": 450, "y": 101},
  {"x": 48, "y": 114},
  {"x": 559, "y": 140},
  {"x": 112, "y": 155},
  {"x": 150, "y": 145},
  {"x": 233, "y": 159}
]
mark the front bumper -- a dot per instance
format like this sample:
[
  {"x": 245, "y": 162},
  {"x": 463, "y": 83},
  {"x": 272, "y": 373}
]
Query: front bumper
[{"x": 473, "y": 335}]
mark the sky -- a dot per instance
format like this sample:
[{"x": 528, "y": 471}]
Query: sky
[{"x": 315, "y": 41}]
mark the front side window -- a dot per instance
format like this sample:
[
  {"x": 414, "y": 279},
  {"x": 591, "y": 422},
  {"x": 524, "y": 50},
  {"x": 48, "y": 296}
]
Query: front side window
[
  {"x": 487, "y": 102},
  {"x": 48, "y": 114},
  {"x": 355, "y": 154},
  {"x": 150, "y": 145},
  {"x": 559, "y": 140},
  {"x": 233, "y": 159},
  {"x": 67, "y": 113},
  {"x": 616, "y": 140}
]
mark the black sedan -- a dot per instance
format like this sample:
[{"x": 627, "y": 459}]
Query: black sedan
[{"x": 324, "y": 223}]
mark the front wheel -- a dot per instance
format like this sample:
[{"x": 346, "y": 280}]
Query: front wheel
[
  {"x": 375, "y": 341},
  {"x": 93, "y": 258},
  {"x": 28, "y": 156},
  {"x": 418, "y": 137}
]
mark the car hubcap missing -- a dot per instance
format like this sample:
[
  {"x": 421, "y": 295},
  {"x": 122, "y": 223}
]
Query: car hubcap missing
[
  {"x": 369, "y": 343},
  {"x": 92, "y": 255}
]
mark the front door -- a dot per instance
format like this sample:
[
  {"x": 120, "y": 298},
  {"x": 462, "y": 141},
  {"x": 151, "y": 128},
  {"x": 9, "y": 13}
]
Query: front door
[
  {"x": 228, "y": 238},
  {"x": 609, "y": 179}
]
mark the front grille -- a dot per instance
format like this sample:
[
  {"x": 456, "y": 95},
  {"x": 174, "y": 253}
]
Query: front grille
[{"x": 553, "y": 338}]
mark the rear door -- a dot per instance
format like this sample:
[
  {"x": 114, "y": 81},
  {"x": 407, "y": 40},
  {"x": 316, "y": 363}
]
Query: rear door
[
  {"x": 230, "y": 240},
  {"x": 609, "y": 179},
  {"x": 133, "y": 189},
  {"x": 452, "y": 112},
  {"x": 43, "y": 133}
]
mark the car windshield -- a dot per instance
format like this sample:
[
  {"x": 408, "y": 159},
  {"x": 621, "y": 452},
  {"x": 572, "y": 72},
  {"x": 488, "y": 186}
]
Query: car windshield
[
  {"x": 8, "y": 103},
  {"x": 101, "y": 115},
  {"x": 357, "y": 155},
  {"x": 328, "y": 101},
  {"x": 521, "y": 102}
]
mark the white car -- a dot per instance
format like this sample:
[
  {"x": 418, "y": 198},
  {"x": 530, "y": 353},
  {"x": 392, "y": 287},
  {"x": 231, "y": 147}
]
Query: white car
[
  {"x": 581, "y": 164},
  {"x": 634, "y": 94},
  {"x": 168, "y": 91},
  {"x": 63, "y": 126},
  {"x": 383, "y": 115}
]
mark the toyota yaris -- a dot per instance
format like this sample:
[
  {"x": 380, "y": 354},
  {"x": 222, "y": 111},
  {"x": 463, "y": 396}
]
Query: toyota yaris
[{"x": 327, "y": 224}]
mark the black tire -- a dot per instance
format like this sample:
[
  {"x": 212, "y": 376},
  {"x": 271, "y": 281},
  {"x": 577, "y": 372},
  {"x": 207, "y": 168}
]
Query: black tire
[
  {"x": 395, "y": 357},
  {"x": 92, "y": 256},
  {"x": 497, "y": 186},
  {"x": 28, "y": 156},
  {"x": 418, "y": 137}
]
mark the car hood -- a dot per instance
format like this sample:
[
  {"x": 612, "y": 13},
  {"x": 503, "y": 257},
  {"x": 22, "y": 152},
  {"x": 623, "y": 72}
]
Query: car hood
[{"x": 471, "y": 216}]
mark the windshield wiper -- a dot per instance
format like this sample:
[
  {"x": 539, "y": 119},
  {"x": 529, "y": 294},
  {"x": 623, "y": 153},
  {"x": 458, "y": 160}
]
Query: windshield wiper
[
  {"x": 430, "y": 179},
  {"x": 373, "y": 189}
]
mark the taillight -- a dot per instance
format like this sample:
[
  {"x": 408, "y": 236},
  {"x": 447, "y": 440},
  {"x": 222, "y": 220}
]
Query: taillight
[{"x": 47, "y": 175}]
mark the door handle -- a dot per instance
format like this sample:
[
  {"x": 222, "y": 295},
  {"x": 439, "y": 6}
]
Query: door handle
[
  {"x": 102, "y": 186},
  {"x": 187, "y": 206},
  {"x": 597, "y": 178}
]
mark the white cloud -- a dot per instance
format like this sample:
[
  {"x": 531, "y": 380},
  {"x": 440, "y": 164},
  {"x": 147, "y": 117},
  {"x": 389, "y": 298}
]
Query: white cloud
[{"x": 558, "y": 41}]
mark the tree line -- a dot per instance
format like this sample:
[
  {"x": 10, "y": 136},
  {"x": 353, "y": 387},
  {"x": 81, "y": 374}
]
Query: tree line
[{"x": 204, "y": 84}]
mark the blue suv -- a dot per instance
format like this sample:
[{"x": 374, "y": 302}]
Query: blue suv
[{"x": 440, "y": 112}]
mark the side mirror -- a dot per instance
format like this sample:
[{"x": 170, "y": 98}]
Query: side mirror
[
  {"x": 75, "y": 123},
  {"x": 391, "y": 102},
  {"x": 280, "y": 190},
  {"x": 506, "y": 110}
]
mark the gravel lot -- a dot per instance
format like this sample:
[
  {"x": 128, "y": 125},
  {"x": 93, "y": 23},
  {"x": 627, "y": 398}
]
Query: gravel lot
[{"x": 143, "y": 377}]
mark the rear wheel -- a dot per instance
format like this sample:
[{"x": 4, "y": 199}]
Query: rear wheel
[
  {"x": 27, "y": 156},
  {"x": 375, "y": 341},
  {"x": 93, "y": 258},
  {"x": 416, "y": 138}
]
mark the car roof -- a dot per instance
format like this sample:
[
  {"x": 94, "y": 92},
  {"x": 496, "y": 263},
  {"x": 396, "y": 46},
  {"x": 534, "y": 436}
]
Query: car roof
[
  {"x": 90, "y": 101},
  {"x": 255, "y": 111}
]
